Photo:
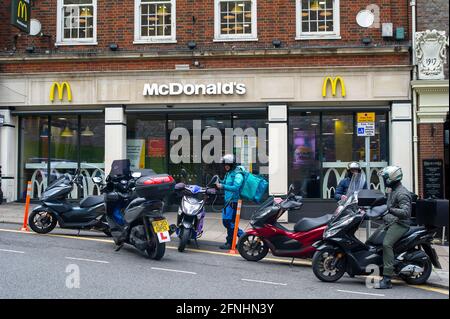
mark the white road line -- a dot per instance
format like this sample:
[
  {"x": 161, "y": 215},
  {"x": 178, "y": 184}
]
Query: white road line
[
  {"x": 91, "y": 260},
  {"x": 264, "y": 282},
  {"x": 361, "y": 293},
  {"x": 174, "y": 270},
  {"x": 13, "y": 251}
]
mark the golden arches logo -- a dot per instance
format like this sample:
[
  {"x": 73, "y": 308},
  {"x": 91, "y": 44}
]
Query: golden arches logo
[
  {"x": 334, "y": 82},
  {"x": 60, "y": 88},
  {"x": 22, "y": 11}
]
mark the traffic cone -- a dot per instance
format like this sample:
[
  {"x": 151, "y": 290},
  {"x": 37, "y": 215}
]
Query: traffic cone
[
  {"x": 236, "y": 228},
  {"x": 27, "y": 207}
]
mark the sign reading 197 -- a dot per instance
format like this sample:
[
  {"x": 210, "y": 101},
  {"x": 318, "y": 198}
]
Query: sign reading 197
[{"x": 21, "y": 14}]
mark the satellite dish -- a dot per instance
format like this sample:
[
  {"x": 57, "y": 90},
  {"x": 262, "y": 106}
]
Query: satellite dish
[
  {"x": 35, "y": 27},
  {"x": 365, "y": 18}
]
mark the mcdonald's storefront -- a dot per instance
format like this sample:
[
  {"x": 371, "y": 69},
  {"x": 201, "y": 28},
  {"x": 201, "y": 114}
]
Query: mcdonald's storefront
[{"x": 305, "y": 119}]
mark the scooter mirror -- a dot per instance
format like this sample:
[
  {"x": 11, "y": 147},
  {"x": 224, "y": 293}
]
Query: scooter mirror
[
  {"x": 183, "y": 173},
  {"x": 213, "y": 180},
  {"x": 136, "y": 174}
]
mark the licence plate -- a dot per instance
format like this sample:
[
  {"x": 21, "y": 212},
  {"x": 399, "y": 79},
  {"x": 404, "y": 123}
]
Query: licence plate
[{"x": 160, "y": 226}]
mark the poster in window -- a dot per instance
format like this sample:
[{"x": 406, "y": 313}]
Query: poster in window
[
  {"x": 304, "y": 147},
  {"x": 136, "y": 153},
  {"x": 156, "y": 147}
]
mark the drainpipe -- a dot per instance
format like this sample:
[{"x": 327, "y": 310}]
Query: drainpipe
[{"x": 414, "y": 98}]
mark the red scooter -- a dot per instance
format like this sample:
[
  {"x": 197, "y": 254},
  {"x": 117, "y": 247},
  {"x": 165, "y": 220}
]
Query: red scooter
[{"x": 266, "y": 233}]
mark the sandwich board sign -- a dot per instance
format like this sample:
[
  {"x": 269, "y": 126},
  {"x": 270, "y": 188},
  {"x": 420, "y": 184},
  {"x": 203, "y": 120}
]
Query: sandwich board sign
[{"x": 366, "y": 124}]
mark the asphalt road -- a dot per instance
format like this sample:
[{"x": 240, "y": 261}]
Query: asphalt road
[{"x": 40, "y": 266}]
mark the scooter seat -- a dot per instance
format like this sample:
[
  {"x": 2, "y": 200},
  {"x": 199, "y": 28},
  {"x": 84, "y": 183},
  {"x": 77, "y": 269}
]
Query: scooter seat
[
  {"x": 91, "y": 201},
  {"x": 413, "y": 229},
  {"x": 307, "y": 224}
]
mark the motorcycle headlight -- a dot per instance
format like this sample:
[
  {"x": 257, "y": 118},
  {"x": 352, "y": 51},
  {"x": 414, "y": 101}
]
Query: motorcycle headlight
[
  {"x": 330, "y": 232},
  {"x": 336, "y": 228}
]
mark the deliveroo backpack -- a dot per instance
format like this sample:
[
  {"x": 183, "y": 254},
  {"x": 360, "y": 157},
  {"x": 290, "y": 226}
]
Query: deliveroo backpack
[{"x": 254, "y": 187}]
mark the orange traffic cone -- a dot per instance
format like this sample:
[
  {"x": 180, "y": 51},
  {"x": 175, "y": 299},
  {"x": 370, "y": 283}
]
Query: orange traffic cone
[
  {"x": 27, "y": 207},
  {"x": 236, "y": 228}
]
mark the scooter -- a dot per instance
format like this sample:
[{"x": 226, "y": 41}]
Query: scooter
[
  {"x": 191, "y": 212},
  {"x": 268, "y": 234},
  {"x": 134, "y": 207},
  {"x": 340, "y": 251},
  {"x": 55, "y": 209}
]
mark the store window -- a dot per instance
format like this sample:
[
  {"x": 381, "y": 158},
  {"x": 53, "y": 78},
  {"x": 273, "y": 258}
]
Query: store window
[
  {"x": 235, "y": 20},
  {"x": 155, "y": 21},
  {"x": 318, "y": 19},
  {"x": 323, "y": 143},
  {"x": 77, "y": 22},
  {"x": 51, "y": 146}
]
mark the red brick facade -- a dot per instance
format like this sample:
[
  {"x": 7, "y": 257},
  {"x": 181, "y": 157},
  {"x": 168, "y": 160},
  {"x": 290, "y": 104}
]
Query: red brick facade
[{"x": 276, "y": 20}]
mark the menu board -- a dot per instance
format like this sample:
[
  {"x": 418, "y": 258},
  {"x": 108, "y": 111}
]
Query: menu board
[{"x": 433, "y": 178}]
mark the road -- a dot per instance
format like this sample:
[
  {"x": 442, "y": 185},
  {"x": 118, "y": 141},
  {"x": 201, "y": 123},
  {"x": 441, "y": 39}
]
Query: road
[{"x": 41, "y": 266}]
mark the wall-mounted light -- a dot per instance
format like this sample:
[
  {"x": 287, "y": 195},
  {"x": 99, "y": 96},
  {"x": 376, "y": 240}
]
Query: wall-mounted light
[
  {"x": 113, "y": 46},
  {"x": 192, "y": 45},
  {"x": 30, "y": 49},
  {"x": 276, "y": 43}
]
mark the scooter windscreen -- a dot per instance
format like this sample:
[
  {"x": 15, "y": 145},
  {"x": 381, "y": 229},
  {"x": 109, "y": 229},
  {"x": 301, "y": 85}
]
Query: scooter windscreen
[{"x": 64, "y": 179}]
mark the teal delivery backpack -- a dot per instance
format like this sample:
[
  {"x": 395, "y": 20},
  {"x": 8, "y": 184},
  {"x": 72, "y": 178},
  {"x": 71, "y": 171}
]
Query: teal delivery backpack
[{"x": 254, "y": 187}]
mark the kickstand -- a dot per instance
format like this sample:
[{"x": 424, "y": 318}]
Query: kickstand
[
  {"x": 79, "y": 230},
  {"x": 292, "y": 263},
  {"x": 196, "y": 243}
]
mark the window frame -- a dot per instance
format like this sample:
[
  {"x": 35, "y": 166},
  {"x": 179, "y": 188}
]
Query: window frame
[
  {"x": 60, "y": 41},
  {"x": 138, "y": 39},
  {"x": 218, "y": 37},
  {"x": 327, "y": 35}
]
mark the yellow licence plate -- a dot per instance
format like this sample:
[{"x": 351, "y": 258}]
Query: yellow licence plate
[{"x": 160, "y": 226}]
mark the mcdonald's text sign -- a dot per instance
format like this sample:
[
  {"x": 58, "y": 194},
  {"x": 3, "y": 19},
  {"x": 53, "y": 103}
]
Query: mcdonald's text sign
[
  {"x": 21, "y": 14},
  {"x": 61, "y": 88}
]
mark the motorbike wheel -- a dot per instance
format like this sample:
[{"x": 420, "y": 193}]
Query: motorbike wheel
[
  {"x": 252, "y": 249},
  {"x": 421, "y": 278},
  {"x": 42, "y": 222},
  {"x": 156, "y": 250},
  {"x": 185, "y": 235},
  {"x": 323, "y": 268}
]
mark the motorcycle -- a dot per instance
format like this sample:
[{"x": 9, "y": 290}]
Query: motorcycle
[
  {"x": 268, "y": 234},
  {"x": 340, "y": 251},
  {"x": 134, "y": 205},
  {"x": 191, "y": 212},
  {"x": 56, "y": 209}
]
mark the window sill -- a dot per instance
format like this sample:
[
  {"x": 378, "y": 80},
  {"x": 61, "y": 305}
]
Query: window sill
[
  {"x": 162, "y": 41},
  {"x": 235, "y": 39},
  {"x": 318, "y": 37},
  {"x": 58, "y": 44}
]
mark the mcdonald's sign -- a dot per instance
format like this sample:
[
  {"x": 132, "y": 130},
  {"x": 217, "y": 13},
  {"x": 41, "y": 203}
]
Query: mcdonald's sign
[
  {"x": 334, "y": 82},
  {"x": 60, "y": 87},
  {"x": 21, "y": 14}
]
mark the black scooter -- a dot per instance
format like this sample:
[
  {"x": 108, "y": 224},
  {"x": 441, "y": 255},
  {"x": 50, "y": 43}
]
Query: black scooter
[
  {"x": 56, "y": 209},
  {"x": 340, "y": 251}
]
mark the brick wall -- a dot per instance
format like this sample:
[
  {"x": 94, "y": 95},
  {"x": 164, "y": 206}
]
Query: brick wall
[
  {"x": 431, "y": 146},
  {"x": 276, "y": 20},
  {"x": 433, "y": 14}
]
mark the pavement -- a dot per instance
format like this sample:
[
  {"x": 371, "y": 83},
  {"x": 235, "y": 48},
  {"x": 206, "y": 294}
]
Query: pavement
[{"x": 214, "y": 235}]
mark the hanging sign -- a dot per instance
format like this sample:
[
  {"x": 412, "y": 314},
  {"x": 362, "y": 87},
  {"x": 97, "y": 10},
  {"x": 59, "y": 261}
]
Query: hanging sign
[{"x": 21, "y": 14}]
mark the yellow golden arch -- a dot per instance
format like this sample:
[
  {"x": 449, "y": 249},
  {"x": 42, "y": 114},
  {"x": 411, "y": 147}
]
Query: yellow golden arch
[
  {"x": 22, "y": 10},
  {"x": 334, "y": 84},
  {"x": 60, "y": 88}
]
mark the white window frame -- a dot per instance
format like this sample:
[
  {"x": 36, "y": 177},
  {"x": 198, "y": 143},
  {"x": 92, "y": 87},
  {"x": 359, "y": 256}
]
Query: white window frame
[
  {"x": 154, "y": 39},
  {"x": 218, "y": 37},
  {"x": 60, "y": 29},
  {"x": 336, "y": 34}
]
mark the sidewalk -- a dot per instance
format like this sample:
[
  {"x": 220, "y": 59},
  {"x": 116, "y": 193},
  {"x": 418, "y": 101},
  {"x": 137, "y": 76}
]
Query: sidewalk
[{"x": 214, "y": 234}]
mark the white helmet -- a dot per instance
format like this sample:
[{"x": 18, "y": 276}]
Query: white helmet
[
  {"x": 354, "y": 165},
  {"x": 227, "y": 159},
  {"x": 391, "y": 175}
]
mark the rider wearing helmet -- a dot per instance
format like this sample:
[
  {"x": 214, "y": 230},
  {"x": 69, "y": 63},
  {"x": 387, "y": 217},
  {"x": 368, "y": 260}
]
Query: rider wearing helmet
[
  {"x": 396, "y": 220},
  {"x": 341, "y": 189},
  {"x": 231, "y": 184}
]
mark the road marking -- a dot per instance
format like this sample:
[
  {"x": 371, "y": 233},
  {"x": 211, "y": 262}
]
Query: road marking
[
  {"x": 12, "y": 251},
  {"x": 302, "y": 263},
  {"x": 174, "y": 270},
  {"x": 91, "y": 260},
  {"x": 361, "y": 293},
  {"x": 264, "y": 282}
]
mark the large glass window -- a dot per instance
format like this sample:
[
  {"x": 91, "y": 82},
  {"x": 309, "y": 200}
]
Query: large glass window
[
  {"x": 235, "y": 19},
  {"x": 323, "y": 143},
  {"x": 155, "y": 20},
  {"x": 317, "y": 19},
  {"x": 77, "y": 21},
  {"x": 54, "y": 145}
]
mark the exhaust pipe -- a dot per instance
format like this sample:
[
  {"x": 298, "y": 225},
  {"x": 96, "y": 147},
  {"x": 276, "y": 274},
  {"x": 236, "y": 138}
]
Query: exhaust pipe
[{"x": 411, "y": 270}]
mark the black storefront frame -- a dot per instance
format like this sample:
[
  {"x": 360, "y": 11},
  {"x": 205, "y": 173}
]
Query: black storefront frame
[{"x": 331, "y": 109}]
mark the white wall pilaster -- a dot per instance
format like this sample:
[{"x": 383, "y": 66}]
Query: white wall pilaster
[
  {"x": 115, "y": 136},
  {"x": 8, "y": 155},
  {"x": 278, "y": 150}
]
